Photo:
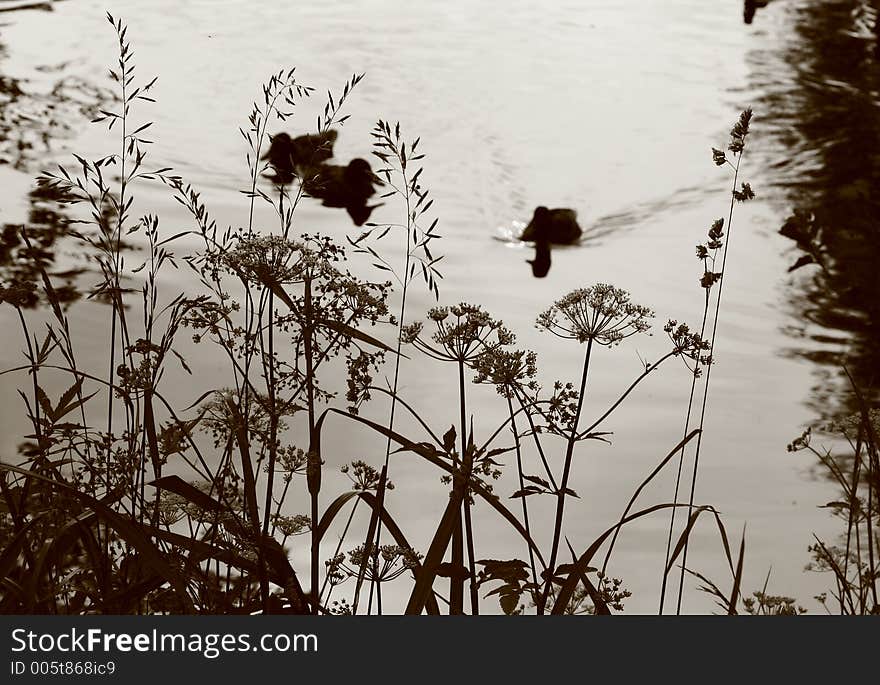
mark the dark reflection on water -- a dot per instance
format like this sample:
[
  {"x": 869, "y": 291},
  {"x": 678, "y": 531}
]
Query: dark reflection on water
[
  {"x": 31, "y": 124},
  {"x": 541, "y": 263},
  {"x": 820, "y": 104},
  {"x": 752, "y": 6},
  {"x": 24, "y": 261}
]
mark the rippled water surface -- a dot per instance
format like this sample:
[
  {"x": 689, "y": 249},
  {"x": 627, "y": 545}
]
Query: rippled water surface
[{"x": 606, "y": 107}]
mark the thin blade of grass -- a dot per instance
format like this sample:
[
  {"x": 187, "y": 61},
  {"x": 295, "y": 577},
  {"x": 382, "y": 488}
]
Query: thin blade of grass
[{"x": 737, "y": 578}]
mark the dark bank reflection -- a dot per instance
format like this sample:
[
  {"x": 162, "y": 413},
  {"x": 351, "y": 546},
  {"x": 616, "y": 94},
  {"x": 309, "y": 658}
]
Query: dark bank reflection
[
  {"x": 822, "y": 110},
  {"x": 31, "y": 126},
  {"x": 24, "y": 257},
  {"x": 305, "y": 158}
]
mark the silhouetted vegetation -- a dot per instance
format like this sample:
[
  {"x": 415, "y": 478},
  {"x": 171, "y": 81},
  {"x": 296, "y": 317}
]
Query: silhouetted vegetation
[{"x": 124, "y": 502}]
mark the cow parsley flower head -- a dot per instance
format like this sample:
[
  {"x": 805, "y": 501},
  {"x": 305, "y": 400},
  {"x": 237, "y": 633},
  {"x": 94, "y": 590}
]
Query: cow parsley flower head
[
  {"x": 462, "y": 333},
  {"x": 507, "y": 370},
  {"x": 601, "y": 313}
]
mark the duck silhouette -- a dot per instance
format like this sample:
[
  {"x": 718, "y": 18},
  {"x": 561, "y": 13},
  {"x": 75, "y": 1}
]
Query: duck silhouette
[
  {"x": 541, "y": 262},
  {"x": 558, "y": 226},
  {"x": 288, "y": 155},
  {"x": 349, "y": 187}
]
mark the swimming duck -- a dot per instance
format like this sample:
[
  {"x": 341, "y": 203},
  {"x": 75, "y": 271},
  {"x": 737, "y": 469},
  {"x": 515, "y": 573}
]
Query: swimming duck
[
  {"x": 541, "y": 262},
  {"x": 287, "y": 155},
  {"x": 558, "y": 226},
  {"x": 342, "y": 186}
]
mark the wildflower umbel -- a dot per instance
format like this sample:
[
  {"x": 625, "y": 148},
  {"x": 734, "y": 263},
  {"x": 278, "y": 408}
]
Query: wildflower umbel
[
  {"x": 363, "y": 476},
  {"x": 464, "y": 332},
  {"x": 687, "y": 344},
  {"x": 507, "y": 370},
  {"x": 601, "y": 313},
  {"x": 383, "y": 563}
]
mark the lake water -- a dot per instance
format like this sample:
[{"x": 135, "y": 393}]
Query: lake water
[{"x": 609, "y": 108}]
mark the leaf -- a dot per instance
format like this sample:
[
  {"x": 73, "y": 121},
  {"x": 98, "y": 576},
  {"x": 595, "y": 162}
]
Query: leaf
[
  {"x": 425, "y": 578},
  {"x": 498, "y": 450},
  {"x": 657, "y": 469},
  {"x": 191, "y": 493},
  {"x": 737, "y": 578},
  {"x": 528, "y": 490},
  {"x": 507, "y": 570},
  {"x": 450, "y": 570},
  {"x": 347, "y": 330},
  {"x": 509, "y": 603},
  {"x": 599, "y": 602},
  {"x": 537, "y": 479}
]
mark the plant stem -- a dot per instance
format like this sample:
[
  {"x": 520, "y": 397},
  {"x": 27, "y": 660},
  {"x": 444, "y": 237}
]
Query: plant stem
[
  {"x": 706, "y": 385},
  {"x": 314, "y": 460},
  {"x": 566, "y": 472},
  {"x": 467, "y": 468},
  {"x": 375, "y": 526},
  {"x": 522, "y": 485}
]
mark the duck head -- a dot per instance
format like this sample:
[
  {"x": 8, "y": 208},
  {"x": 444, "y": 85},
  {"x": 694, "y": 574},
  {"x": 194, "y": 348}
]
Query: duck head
[{"x": 359, "y": 179}]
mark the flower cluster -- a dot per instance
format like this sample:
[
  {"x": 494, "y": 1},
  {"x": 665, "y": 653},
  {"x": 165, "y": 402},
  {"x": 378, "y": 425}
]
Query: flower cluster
[
  {"x": 610, "y": 590},
  {"x": 762, "y": 604},
  {"x": 363, "y": 476},
  {"x": 800, "y": 443},
  {"x": 292, "y": 460},
  {"x": 739, "y": 132},
  {"x": 262, "y": 258},
  {"x": 341, "y": 608},
  {"x": 507, "y": 370},
  {"x": 292, "y": 525},
  {"x": 382, "y": 564},
  {"x": 737, "y": 139},
  {"x": 360, "y": 377},
  {"x": 688, "y": 345},
  {"x": 601, "y": 313},
  {"x": 561, "y": 411},
  {"x": 745, "y": 194},
  {"x": 462, "y": 333},
  {"x": 706, "y": 252}
]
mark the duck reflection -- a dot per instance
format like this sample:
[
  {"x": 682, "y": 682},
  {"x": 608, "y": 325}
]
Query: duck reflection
[
  {"x": 304, "y": 157},
  {"x": 752, "y": 6},
  {"x": 541, "y": 262}
]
